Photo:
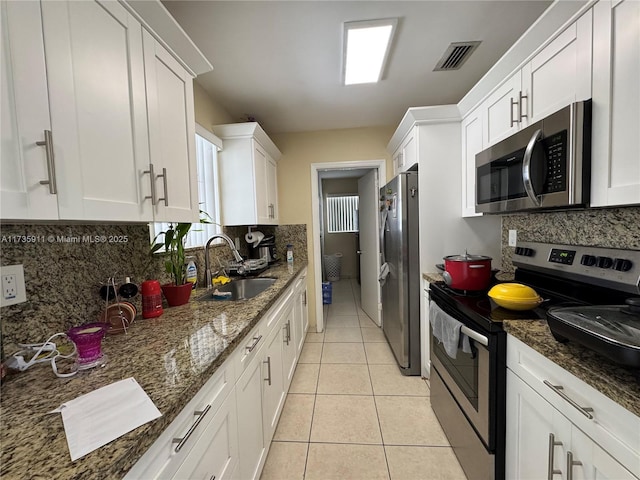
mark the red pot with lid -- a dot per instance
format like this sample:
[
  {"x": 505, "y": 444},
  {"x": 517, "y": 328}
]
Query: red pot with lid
[{"x": 467, "y": 272}]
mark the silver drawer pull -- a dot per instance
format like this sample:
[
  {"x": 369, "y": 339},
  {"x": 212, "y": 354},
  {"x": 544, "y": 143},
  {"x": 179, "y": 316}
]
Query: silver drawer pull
[
  {"x": 47, "y": 143},
  {"x": 183, "y": 440},
  {"x": 550, "y": 470},
  {"x": 570, "y": 464},
  {"x": 256, "y": 340},
  {"x": 586, "y": 411}
]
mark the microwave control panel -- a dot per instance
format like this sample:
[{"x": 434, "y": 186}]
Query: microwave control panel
[{"x": 556, "y": 151}]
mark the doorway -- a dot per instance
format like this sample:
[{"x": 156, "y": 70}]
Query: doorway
[{"x": 367, "y": 176}]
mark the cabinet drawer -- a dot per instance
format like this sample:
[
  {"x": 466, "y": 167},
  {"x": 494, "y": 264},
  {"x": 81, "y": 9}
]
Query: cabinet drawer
[
  {"x": 162, "y": 460},
  {"x": 248, "y": 348},
  {"x": 613, "y": 427}
]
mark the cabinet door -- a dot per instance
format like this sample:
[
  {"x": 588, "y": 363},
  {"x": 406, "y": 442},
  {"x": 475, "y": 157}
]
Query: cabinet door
[
  {"x": 409, "y": 151},
  {"x": 301, "y": 314},
  {"x": 561, "y": 73},
  {"x": 501, "y": 117},
  {"x": 95, "y": 74},
  {"x": 530, "y": 421},
  {"x": 596, "y": 463},
  {"x": 171, "y": 134},
  {"x": 273, "y": 392},
  {"x": 252, "y": 447},
  {"x": 471, "y": 146},
  {"x": 25, "y": 116},
  {"x": 261, "y": 188},
  {"x": 615, "y": 170},
  {"x": 291, "y": 332},
  {"x": 272, "y": 190},
  {"x": 215, "y": 454}
]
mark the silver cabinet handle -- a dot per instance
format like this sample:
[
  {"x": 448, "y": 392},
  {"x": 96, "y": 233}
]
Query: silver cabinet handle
[
  {"x": 268, "y": 362},
  {"x": 526, "y": 167},
  {"x": 152, "y": 177},
  {"x": 570, "y": 464},
  {"x": 305, "y": 297},
  {"x": 288, "y": 332},
  {"x": 166, "y": 192},
  {"x": 586, "y": 411},
  {"x": 256, "y": 340},
  {"x": 514, "y": 103},
  {"x": 47, "y": 143},
  {"x": 181, "y": 441},
  {"x": 520, "y": 114},
  {"x": 550, "y": 470}
]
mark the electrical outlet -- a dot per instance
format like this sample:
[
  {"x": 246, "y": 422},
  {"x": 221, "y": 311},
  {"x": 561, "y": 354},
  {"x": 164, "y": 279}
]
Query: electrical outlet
[
  {"x": 13, "y": 290},
  {"x": 9, "y": 286},
  {"x": 513, "y": 238}
]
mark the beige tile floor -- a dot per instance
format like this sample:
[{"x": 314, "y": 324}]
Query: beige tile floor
[{"x": 350, "y": 414}]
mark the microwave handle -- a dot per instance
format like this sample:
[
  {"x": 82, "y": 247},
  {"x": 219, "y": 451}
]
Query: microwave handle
[{"x": 526, "y": 167}]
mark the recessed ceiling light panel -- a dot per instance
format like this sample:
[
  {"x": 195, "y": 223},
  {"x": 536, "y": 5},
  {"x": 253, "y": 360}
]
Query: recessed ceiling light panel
[{"x": 366, "y": 48}]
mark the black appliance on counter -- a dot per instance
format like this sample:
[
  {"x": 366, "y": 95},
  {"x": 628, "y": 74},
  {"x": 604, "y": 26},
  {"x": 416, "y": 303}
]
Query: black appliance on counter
[
  {"x": 468, "y": 393},
  {"x": 266, "y": 248}
]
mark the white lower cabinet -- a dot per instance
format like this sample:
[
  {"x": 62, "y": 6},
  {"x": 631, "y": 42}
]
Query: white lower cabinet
[
  {"x": 301, "y": 312},
  {"x": 225, "y": 430},
  {"x": 252, "y": 446},
  {"x": 273, "y": 390},
  {"x": 215, "y": 456},
  {"x": 547, "y": 436}
]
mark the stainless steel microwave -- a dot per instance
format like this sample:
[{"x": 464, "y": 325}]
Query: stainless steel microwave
[{"x": 546, "y": 165}]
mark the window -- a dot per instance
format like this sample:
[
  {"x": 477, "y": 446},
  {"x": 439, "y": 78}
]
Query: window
[
  {"x": 342, "y": 213},
  {"x": 207, "y": 146}
]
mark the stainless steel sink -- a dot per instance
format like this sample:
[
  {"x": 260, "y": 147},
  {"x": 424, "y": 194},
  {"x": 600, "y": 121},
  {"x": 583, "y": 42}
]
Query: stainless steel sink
[{"x": 241, "y": 289}]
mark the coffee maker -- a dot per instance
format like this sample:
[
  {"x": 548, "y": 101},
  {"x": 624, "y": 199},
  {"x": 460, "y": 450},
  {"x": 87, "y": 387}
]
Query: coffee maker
[{"x": 266, "y": 248}]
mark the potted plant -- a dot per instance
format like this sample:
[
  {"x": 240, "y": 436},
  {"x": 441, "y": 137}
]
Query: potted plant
[{"x": 179, "y": 291}]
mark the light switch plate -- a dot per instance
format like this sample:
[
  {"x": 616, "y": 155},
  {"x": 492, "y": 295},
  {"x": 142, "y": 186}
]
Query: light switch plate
[
  {"x": 513, "y": 238},
  {"x": 12, "y": 281}
]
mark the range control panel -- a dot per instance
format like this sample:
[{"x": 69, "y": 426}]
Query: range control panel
[{"x": 610, "y": 267}]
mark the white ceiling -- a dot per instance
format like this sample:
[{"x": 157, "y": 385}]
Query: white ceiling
[{"x": 280, "y": 61}]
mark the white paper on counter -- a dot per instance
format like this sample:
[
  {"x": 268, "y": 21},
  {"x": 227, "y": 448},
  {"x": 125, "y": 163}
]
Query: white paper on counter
[{"x": 97, "y": 418}]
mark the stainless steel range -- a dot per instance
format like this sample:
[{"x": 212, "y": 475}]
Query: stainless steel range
[{"x": 468, "y": 391}]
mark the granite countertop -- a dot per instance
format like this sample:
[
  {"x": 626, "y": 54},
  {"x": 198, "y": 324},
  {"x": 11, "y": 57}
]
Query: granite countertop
[
  {"x": 171, "y": 357},
  {"x": 620, "y": 384}
]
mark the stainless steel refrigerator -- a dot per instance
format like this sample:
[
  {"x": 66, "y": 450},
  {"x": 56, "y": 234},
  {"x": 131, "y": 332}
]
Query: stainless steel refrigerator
[{"x": 400, "y": 271}]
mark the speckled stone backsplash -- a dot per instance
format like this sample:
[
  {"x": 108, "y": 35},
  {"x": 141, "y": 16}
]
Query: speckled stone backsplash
[
  {"x": 610, "y": 227},
  {"x": 63, "y": 271}
]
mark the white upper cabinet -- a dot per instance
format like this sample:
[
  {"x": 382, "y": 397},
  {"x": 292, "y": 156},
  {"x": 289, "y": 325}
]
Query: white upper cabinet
[
  {"x": 560, "y": 73},
  {"x": 502, "y": 111},
  {"x": 616, "y": 104},
  {"x": 171, "y": 135},
  {"x": 407, "y": 153},
  {"x": 80, "y": 72},
  {"x": 248, "y": 175},
  {"x": 25, "y": 117},
  {"x": 95, "y": 74},
  {"x": 471, "y": 146}
]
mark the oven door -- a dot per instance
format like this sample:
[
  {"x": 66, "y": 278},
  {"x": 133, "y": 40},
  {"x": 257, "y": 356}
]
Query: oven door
[{"x": 466, "y": 376}]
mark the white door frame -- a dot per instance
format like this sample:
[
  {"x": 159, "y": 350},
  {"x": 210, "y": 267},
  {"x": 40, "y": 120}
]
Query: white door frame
[{"x": 381, "y": 166}]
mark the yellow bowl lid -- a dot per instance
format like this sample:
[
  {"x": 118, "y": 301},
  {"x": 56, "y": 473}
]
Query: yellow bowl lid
[{"x": 514, "y": 292}]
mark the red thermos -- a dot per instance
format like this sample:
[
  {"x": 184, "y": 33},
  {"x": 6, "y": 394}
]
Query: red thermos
[{"x": 151, "y": 299}]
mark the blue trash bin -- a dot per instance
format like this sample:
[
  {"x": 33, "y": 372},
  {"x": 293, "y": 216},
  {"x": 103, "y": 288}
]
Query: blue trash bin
[{"x": 326, "y": 293}]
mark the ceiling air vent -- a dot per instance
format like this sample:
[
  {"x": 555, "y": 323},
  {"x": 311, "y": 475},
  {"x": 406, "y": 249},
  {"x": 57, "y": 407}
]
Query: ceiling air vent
[{"x": 455, "y": 55}]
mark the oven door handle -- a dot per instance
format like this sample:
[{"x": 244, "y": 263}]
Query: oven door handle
[
  {"x": 481, "y": 339},
  {"x": 526, "y": 168}
]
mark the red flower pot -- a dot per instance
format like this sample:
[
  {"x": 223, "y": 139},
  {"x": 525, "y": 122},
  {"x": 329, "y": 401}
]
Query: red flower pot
[{"x": 177, "y": 294}]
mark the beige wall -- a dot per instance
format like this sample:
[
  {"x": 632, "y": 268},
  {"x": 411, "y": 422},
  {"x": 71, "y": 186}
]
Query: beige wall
[
  {"x": 299, "y": 151},
  {"x": 208, "y": 112}
]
